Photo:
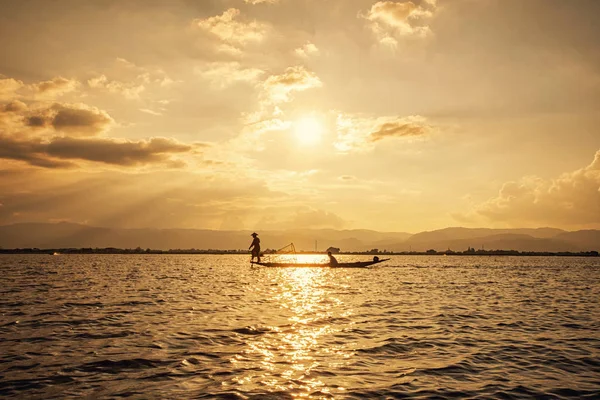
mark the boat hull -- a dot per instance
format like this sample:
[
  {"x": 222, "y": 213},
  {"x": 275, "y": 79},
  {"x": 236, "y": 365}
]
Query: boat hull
[{"x": 358, "y": 264}]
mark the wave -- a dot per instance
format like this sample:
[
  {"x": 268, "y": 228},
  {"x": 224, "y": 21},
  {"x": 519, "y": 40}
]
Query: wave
[
  {"x": 210, "y": 327},
  {"x": 117, "y": 366}
]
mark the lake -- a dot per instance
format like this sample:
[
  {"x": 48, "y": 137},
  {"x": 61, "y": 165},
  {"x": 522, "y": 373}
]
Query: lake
[{"x": 194, "y": 326}]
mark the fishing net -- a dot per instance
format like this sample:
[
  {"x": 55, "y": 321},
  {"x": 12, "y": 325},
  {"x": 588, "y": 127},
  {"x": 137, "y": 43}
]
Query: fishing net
[
  {"x": 289, "y": 249},
  {"x": 284, "y": 254}
]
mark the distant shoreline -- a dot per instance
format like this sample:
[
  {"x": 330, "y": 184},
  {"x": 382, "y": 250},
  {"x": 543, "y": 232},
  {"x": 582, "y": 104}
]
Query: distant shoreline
[{"x": 140, "y": 251}]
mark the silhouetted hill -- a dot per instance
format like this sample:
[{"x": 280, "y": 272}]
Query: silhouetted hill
[
  {"x": 60, "y": 235},
  {"x": 507, "y": 241},
  {"x": 541, "y": 239},
  {"x": 347, "y": 240},
  {"x": 585, "y": 238},
  {"x": 44, "y": 235},
  {"x": 471, "y": 233}
]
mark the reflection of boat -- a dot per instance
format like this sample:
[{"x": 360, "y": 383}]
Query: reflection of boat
[{"x": 358, "y": 264}]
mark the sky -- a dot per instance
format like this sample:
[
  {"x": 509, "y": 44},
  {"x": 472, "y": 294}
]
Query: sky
[{"x": 277, "y": 114}]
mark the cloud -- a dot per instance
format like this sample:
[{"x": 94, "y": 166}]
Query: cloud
[
  {"x": 359, "y": 134},
  {"x": 16, "y": 117},
  {"x": 9, "y": 87},
  {"x": 131, "y": 72},
  {"x": 307, "y": 50},
  {"x": 82, "y": 121},
  {"x": 151, "y": 112},
  {"x": 73, "y": 119},
  {"x": 29, "y": 133},
  {"x": 230, "y": 31},
  {"x": 52, "y": 153},
  {"x": 56, "y": 135},
  {"x": 112, "y": 151},
  {"x": 571, "y": 199},
  {"x": 36, "y": 121},
  {"x": 14, "y": 106},
  {"x": 224, "y": 74},
  {"x": 390, "y": 20},
  {"x": 11, "y": 114},
  {"x": 410, "y": 126},
  {"x": 254, "y": 2},
  {"x": 279, "y": 88},
  {"x": 130, "y": 90},
  {"x": 55, "y": 87},
  {"x": 274, "y": 91},
  {"x": 133, "y": 80},
  {"x": 32, "y": 152}
]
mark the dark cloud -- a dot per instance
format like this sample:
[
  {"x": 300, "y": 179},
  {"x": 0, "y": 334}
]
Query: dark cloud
[
  {"x": 75, "y": 120},
  {"x": 78, "y": 122},
  {"x": 14, "y": 106},
  {"x": 81, "y": 121},
  {"x": 155, "y": 150},
  {"x": 32, "y": 152},
  {"x": 400, "y": 128},
  {"x": 36, "y": 121},
  {"x": 11, "y": 114},
  {"x": 108, "y": 151}
]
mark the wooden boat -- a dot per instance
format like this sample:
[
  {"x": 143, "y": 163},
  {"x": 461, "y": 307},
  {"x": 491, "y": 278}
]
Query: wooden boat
[{"x": 358, "y": 264}]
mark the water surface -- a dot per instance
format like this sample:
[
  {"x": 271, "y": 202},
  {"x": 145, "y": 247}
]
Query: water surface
[{"x": 177, "y": 326}]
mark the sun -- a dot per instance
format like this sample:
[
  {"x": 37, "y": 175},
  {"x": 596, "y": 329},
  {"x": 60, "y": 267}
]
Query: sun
[{"x": 308, "y": 130}]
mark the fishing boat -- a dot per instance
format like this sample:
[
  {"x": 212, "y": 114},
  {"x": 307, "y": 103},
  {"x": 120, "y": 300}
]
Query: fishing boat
[
  {"x": 289, "y": 252},
  {"x": 357, "y": 264}
]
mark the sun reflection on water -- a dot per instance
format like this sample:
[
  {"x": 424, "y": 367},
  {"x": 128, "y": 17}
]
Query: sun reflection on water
[
  {"x": 291, "y": 355},
  {"x": 298, "y": 258}
]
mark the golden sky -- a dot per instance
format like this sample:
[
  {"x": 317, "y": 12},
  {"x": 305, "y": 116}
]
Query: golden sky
[{"x": 274, "y": 114}]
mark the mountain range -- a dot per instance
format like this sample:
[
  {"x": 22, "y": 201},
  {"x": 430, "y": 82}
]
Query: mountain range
[{"x": 69, "y": 235}]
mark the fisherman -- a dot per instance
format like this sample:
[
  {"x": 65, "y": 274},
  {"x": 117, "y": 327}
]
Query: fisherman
[
  {"x": 255, "y": 246},
  {"x": 332, "y": 261}
]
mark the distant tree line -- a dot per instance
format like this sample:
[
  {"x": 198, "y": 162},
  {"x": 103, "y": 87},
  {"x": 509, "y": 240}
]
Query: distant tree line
[
  {"x": 114, "y": 250},
  {"x": 139, "y": 250}
]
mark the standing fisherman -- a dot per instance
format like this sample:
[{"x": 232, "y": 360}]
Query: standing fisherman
[{"x": 255, "y": 246}]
